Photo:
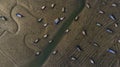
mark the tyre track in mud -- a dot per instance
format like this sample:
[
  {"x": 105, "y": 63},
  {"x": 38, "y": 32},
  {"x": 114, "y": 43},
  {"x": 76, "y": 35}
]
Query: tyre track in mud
[
  {"x": 11, "y": 11},
  {"x": 3, "y": 52},
  {"x": 18, "y": 27},
  {"x": 13, "y": 18},
  {"x": 9, "y": 57}
]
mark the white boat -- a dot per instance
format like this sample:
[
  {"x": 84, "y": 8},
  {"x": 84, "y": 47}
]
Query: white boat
[{"x": 19, "y": 15}]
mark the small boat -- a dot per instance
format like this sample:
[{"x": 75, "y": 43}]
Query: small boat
[
  {"x": 19, "y": 15},
  {"x": 36, "y": 41},
  {"x": 79, "y": 48},
  {"x": 112, "y": 51},
  {"x": 55, "y": 52},
  {"x": 45, "y": 36},
  {"x": 109, "y": 30},
  {"x": 67, "y": 30},
  {"x": 111, "y": 16},
  {"x": 37, "y": 53},
  {"x": 84, "y": 32},
  {"x": 76, "y": 18},
  {"x": 98, "y": 24},
  {"x": 88, "y": 5},
  {"x": 92, "y": 61},
  {"x": 43, "y": 7},
  {"x": 40, "y": 19},
  {"x": 3, "y": 18},
  {"x": 57, "y": 20},
  {"x": 63, "y": 10},
  {"x": 73, "y": 58},
  {"x": 53, "y": 5}
]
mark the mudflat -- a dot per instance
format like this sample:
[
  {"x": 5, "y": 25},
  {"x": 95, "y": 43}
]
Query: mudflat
[
  {"x": 27, "y": 26},
  {"x": 92, "y": 40}
]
